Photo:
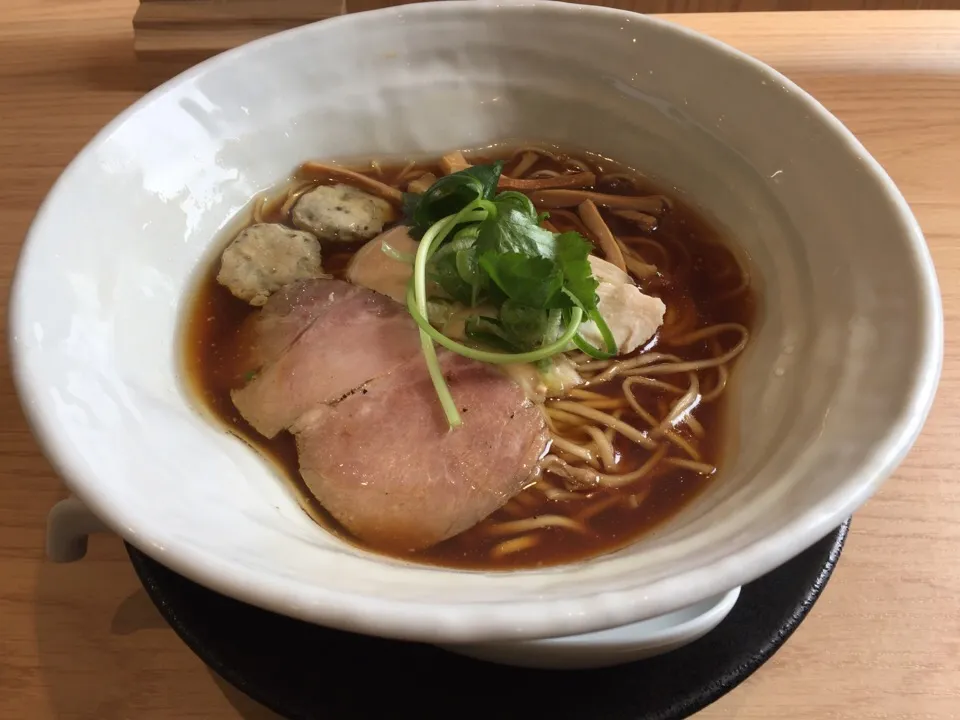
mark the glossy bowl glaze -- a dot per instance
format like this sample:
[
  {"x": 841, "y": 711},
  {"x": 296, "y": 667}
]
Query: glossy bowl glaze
[
  {"x": 832, "y": 391},
  {"x": 605, "y": 648}
]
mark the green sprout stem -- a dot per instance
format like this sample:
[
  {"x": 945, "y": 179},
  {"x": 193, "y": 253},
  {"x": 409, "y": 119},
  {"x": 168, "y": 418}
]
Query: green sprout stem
[
  {"x": 496, "y": 358},
  {"x": 392, "y": 252},
  {"x": 605, "y": 334},
  {"x": 417, "y": 305},
  {"x": 435, "y": 234}
]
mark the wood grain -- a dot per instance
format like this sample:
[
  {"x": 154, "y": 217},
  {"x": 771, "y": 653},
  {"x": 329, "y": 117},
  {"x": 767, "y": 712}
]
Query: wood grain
[
  {"x": 195, "y": 29},
  {"x": 188, "y": 31},
  {"x": 710, "y": 6},
  {"x": 81, "y": 642}
]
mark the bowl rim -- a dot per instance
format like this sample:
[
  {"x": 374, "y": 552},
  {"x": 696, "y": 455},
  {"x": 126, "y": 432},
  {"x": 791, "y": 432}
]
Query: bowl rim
[{"x": 502, "y": 620}]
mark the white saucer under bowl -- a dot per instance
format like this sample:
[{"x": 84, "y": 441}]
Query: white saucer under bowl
[
  {"x": 606, "y": 648},
  {"x": 70, "y": 522}
]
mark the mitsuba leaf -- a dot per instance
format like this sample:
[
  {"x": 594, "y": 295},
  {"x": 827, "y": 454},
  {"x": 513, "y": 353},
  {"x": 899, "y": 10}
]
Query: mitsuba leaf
[
  {"x": 523, "y": 324},
  {"x": 514, "y": 231},
  {"x": 444, "y": 272},
  {"x": 579, "y": 284},
  {"x": 468, "y": 267},
  {"x": 408, "y": 207},
  {"x": 459, "y": 254},
  {"x": 465, "y": 238},
  {"x": 450, "y": 194},
  {"x": 533, "y": 281},
  {"x": 487, "y": 175},
  {"x": 513, "y": 200},
  {"x": 489, "y": 332}
]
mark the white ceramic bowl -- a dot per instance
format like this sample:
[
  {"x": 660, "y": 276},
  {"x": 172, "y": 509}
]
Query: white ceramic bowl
[
  {"x": 616, "y": 646},
  {"x": 833, "y": 389}
]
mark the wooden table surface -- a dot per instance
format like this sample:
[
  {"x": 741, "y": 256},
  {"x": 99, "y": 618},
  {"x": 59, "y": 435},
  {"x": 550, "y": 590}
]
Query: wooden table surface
[{"x": 83, "y": 641}]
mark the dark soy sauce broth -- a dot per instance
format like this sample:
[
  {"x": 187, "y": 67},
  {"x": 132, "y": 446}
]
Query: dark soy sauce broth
[{"x": 698, "y": 274}]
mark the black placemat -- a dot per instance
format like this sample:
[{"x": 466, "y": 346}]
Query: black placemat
[{"x": 303, "y": 671}]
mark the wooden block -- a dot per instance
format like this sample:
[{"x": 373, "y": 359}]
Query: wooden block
[
  {"x": 191, "y": 30},
  {"x": 687, "y": 6},
  {"x": 154, "y": 13},
  {"x": 353, "y": 6},
  {"x": 712, "y": 6}
]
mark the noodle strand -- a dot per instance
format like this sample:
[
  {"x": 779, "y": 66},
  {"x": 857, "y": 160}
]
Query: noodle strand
[{"x": 623, "y": 428}]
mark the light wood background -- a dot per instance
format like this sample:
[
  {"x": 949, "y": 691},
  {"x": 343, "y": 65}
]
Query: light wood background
[
  {"x": 686, "y": 6},
  {"x": 187, "y": 31},
  {"x": 82, "y": 642}
]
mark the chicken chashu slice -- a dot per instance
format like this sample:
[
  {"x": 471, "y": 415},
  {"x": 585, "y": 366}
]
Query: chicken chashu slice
[
  {"x": 373, "y": 268},
  {"x": 385, "y": 463},
  {"x": 333, "y": 340}
]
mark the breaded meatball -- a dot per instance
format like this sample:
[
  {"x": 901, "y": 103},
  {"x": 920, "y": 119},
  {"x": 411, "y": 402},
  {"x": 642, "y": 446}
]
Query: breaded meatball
[
  {"x": 341, "y": 213},
  {"x": 265, "y": 257}
]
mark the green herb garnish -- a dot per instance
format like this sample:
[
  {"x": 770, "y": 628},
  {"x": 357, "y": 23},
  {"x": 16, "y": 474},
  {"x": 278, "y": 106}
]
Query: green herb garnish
[
  {"x": 485, "y": 248},
  {"x": 449, "y": 195}
]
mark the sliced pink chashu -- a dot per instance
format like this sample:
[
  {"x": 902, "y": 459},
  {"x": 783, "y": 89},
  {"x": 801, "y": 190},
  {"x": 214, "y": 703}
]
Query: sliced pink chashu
[
  {"x": 386, "y": 465},
  {"x": 265, "y": 335},
  {"x": 352, "y": 335}
]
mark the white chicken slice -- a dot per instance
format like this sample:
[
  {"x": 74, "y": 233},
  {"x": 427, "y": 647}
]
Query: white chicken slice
[
  {"x": 633, "y": 317},
  {"x": 372, "y": 268},
  {"x": 341, "y": 213}
]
